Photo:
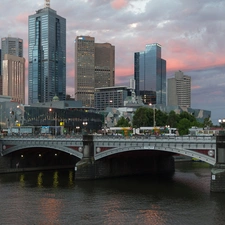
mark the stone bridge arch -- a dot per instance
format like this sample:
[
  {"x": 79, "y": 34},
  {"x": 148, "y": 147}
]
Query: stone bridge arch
[
  {"x": 208, "y": 158},
  {"x": 54, "y": 147}
]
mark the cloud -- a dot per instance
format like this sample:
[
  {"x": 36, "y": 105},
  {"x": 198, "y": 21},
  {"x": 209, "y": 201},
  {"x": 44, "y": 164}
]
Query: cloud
[
  {"x": 191, "y": 34},
  {"x": 118, "y": 4}
]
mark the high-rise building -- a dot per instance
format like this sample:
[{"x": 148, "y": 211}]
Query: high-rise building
[
  {"x": 12, "y": 46},
  {"x": 104, "y": 65},
  {"x": 179, "y": 90},
  {"x": 47, "y": 56},
  {"x": 0, "y": 72},
  {"x": 0, "y": 62},
  {"x": 150, "y": 73},
  {"x": 84, "y": 69},
  {"x": 13, "y": 77},
  {"x": 94, "y": 68}
]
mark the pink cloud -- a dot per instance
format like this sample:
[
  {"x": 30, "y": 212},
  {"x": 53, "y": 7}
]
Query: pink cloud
[
  {"x": 23, "y": 18},
  {"x": 195, "y": 87},
  {"x": 125, "y": 71},
  {"x": 118, "y": 4}
]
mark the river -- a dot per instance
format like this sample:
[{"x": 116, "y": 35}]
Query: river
[{"x": 55, "y": 198}]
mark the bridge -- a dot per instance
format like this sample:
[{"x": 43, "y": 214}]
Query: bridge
[
  {"x": 202, "y": 148},
  {"x": 100, "y": 156}
]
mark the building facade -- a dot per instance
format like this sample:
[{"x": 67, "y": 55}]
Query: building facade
[
  {"x": 84, "y": 69},
  {"x": 12, "y": 46},
  {"x": 112, "y": 97},
  {"x": 47, "y": 56},
  {"x": 179, "y": 90},
  {"x": 150, "y": 73},
  {"x": 104, "y": 65},
  {"x": 94, "y": 68},
  {"x": 13, "y": 78}
]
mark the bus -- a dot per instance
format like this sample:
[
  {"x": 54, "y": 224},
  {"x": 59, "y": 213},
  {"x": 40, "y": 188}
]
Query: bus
[
  {"x": 125, "y": 131},
  {"x": 196, "y": 131},
  {"x": 167, "y": 131}
]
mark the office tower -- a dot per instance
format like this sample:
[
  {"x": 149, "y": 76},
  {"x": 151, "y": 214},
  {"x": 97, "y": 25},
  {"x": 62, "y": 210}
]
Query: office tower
[
  {"x": 0, "y": 62},
  {"x": 13, "y": 77},
  {"x": 84, "y": 69},
  {"x": 12, "y": 46},
  {"x": 0, "y": 72},
  {"x": 94, "y": 68},
  {"x": 150, "y": 74},
  {"x": 47, "y": 56},
  {"x": 104, "y": 65},
  {"x": 179, "y": 90}
]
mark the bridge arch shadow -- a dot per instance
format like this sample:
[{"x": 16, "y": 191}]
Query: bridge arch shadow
[{"x": 44, "y": 156}]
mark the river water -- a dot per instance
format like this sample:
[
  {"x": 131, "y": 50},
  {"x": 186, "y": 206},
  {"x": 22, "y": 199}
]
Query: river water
[{"x": 55, "y": 198}]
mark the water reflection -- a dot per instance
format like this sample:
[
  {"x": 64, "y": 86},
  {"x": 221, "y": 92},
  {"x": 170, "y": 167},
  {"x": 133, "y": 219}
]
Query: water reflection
[
  {"x": 55, "y": 179},
  {"x": 54, "y": 197},
  {"x": 22, "y": 180},
  {"x": 40, "y": 180}
]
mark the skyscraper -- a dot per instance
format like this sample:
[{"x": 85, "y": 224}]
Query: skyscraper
[
  {"x": 150, "y": 74},
  {"x": 104, "y": 65},
  {"x": 94, "y": 68},
  {"x": 179, "y": 90},
  {"x": 13, "y": 77},
  {"x": 47, "y": 56},
  {"x": 12, "y": 46}
]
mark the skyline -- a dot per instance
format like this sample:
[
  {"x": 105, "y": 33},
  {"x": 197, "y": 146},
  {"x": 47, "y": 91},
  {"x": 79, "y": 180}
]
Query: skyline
[{"x": 191, "y": 35}]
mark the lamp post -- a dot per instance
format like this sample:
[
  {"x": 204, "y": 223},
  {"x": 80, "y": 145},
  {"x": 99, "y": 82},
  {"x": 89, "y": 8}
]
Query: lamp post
[
  {"x": 154, "y": 121},
  {"x": 55, "y": 118},
  {"x": 84, "y": 125},
  {"x": 221, "y": 122}
]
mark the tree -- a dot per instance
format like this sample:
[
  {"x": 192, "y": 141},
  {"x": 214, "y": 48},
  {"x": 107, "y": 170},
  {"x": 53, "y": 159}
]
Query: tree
[
  {"x": 172, "y": 119},
  {"x": 183, "y": 126},
  {"x": 142, "y": 117},
  {"x": 123, "y": 122},
  {"x": 207, "y": 122}
]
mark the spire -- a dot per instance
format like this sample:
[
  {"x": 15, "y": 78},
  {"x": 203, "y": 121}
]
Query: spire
[{"x": 47, "y": 3}]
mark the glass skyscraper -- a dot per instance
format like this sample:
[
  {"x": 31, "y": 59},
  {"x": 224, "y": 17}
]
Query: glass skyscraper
[
  {"x": 47, "y": 56},
  {"x": 150, "y": 73}
]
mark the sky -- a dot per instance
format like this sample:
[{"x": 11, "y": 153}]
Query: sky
[{"x": 191, "y": 33}]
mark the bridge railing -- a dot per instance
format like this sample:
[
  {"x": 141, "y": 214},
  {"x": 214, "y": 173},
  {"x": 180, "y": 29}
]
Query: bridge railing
[{"x": 117, "y": 137}]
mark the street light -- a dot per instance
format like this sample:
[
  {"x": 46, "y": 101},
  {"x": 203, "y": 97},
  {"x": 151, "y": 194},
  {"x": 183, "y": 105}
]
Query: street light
[
  {"x": 221, "y": 122},
  {"x": 154, "y": 121},
  {"x": 55, "y": 113},
  {"x": 84, "y": 125}
]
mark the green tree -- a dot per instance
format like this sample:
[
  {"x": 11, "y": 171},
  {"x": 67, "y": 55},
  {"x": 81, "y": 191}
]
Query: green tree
[
  {"x": 183, "y": 126},
  {"x": 161, "y": 118},
  {"x": 172, "y": 119},
  {"x": 207, "y": 122},
  {"x": 123, "y": 122},
  {"x": 142, "y": 117}
]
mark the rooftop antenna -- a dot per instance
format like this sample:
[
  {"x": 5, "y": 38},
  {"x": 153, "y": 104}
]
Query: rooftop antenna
[{"x": 47, "y": 3}]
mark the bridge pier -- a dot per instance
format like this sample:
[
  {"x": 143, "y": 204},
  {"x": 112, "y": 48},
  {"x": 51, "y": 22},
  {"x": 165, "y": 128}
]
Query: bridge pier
[
  {"x": 85, "y": 168},
  {"x": 218, "y": 171}
]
